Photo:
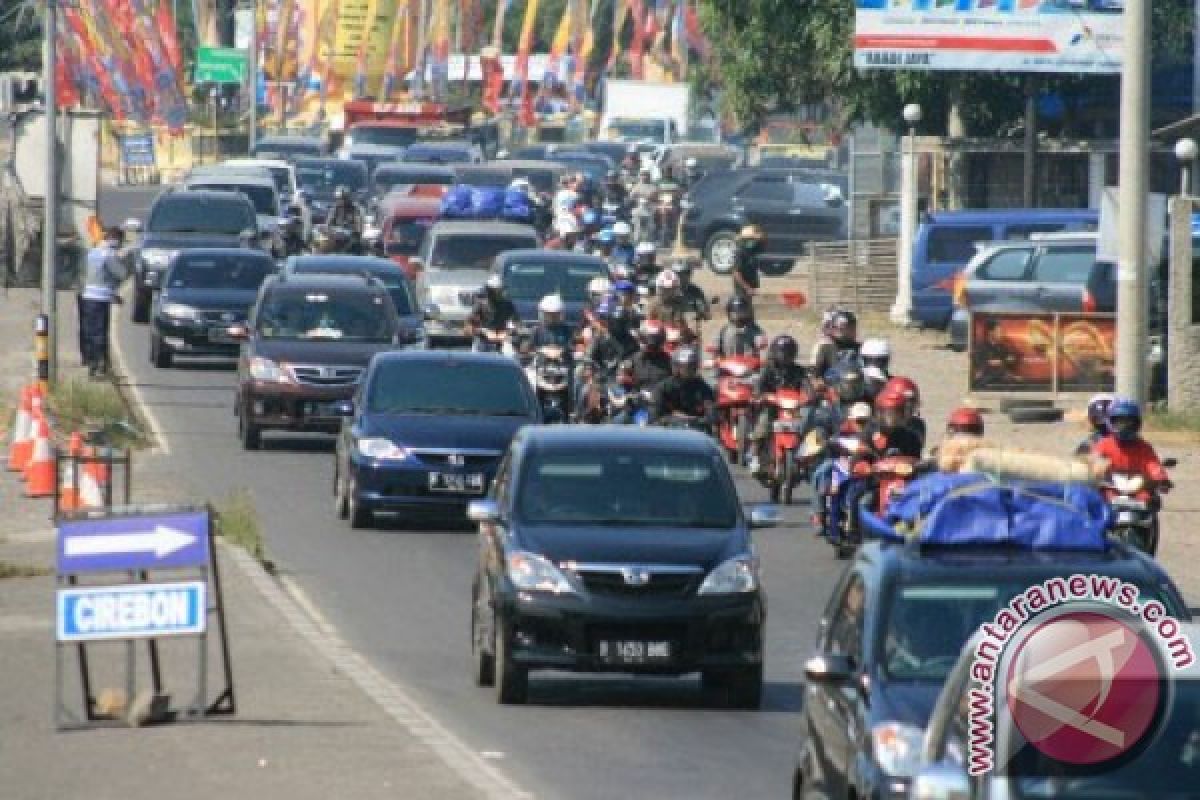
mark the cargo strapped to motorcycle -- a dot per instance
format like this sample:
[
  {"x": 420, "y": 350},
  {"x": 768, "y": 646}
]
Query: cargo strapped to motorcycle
[{"x": 975, "y": 510}]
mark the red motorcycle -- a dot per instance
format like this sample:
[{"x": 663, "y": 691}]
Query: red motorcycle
[
  {"x": 735, "y": 397},
  {"x": 792, "y": 409},
  {"x": 891, "y": 475}
]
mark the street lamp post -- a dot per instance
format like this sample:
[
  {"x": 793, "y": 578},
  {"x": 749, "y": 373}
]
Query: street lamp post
[
  {"x": 1186, "y": 151},
  {"x": 1182, "y": 342},
  {"x": 50, "y": 226},
  {"x": 902, "y": 308}
]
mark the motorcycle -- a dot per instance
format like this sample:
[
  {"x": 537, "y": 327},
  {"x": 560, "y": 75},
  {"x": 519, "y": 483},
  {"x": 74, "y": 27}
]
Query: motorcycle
[
  {"x": 850, "y": 460},
  {"x": 329, "y": 240},
  {"x": 488, "y": 340},
  {"x": 1135, "y": 515},
  {"x": 891, "y": 475},
  {"x": 293, "y": 236},
  {"x": 735, "y": 394},
  {"x": 635, "y": 404},
  {"x": 551, "y": 379},
  {"x": 792, "y": 419}
]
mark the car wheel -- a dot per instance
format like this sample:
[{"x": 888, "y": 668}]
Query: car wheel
[
  {"x": 721, "y": 252},
  {"x": 360, "y": 518},
  {"x": 160, "y": 354},
  {"x": 248, "y": 432},
  {"x": 1021, "y": 415},
  {"x": 512, "y": 680},
  {"x": 140, "y": 313},
  {"x": 483, "y": 663}
]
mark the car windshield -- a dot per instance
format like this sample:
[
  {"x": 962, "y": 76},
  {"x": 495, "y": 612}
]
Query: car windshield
[
  {"x": 642, "y": 489},
  {"x": 406, "y": 236},
  {"x": 633, "y": 129},
  {"x": 437, "y": 155},
  {"x": 450, "y": 387},
  {"x": 264, "y": 198},
  {"x": 244, "y": 273},
  {"x": 319, "y": 314},
  {"x": 181, "y": 214},
  {"x": 1167, "y": 769},
  {"x": 474, "y": 251},
  {"x": 381, "y": 134},
  {"x": 391, "y": 278},
  {"x": 483, "y": 176},
  {"x": 533, "y": 281},
  {"x": 594, "y": 168},
  {"x": 274, "y": 147},
  {"x": 927, "y": 624},
  {"x": 322, "y": 178}
]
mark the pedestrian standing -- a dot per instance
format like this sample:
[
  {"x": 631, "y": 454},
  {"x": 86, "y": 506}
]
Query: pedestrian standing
[
  {"x": 751, "y": 241},
  {"x": 105, "y": 272}
]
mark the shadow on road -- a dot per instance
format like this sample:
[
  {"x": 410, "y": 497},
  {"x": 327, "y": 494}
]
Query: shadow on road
[{"x": 684, "y": 694}]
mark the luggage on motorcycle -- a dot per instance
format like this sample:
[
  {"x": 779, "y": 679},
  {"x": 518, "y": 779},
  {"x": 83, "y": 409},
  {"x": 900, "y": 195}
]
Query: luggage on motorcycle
[
  {"x": 456, "y": 203},
  {"x": 486, "y": 203},
  {"x": 516, "y": 207},
  {"x": 972, "y": 509}
]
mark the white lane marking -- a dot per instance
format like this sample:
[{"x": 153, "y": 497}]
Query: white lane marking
[{"x": 161, "y": 445}]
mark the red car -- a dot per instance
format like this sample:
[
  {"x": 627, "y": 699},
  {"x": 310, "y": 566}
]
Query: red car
[{"x": 406, "y": 218}]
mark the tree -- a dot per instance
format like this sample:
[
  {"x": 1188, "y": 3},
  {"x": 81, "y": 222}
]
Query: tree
[
  {"x": 20, "y": 38},
  {"x": 774, "y": 55}
]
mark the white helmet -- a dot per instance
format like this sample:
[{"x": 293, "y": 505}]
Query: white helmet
[
  {"x": 622, "y": 229},
  {"x": 551, "y": 304},
  {"x": 646, "y": 248},
  {"x": 494, "y": 282},
  {"x": 691, "y": 163},
  {"x": 600, "y": 286},
  {"x": 521, "y": 185},
  {"x": 566, "y": 224},
  {"x": 860, "y": 412},
  {"x": 666, "y": 280},
  {"x": 876, "y": 348}
]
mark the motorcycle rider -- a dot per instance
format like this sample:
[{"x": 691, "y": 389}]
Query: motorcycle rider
[
  {"x": 839, "y": 344},
  {"x": 751, "y": 243},
  {"x": 1126, "y": 451},
  {"x": 891, "y": 431},
  {"x": 911, "y": 393},
  {"x": 694, "y": 299},
  {"x": 623, "y": 249},
  {"x": 667, "y": 205},
  {"x": 643, "y": 221},
  {"x": 651, "y": 364},
  {"x": 691, "y": 172},
  {"x": 781, "y": 372},
  {"x": 493, "y": 312},
  {"x": 685, "y": 393},
  {"x": 741, "y": 336},
  {"x": 626, "y": 319},
  {"x": 614, "y": 190},
  {"x": 552, "y": 329},
  {"x": 567, "y": 196},
  {"x": 294, "y": 242},
  {"x": 644, "y": 189},
  {"x": 645, "y": 266},
  {"x": 567, "y": 232},
  {"x": 346, "y": 214},
  {"x": 602, "y": 243},
  {"x": 668, "y": 306},
  {"x": 1097, "y": 414}
]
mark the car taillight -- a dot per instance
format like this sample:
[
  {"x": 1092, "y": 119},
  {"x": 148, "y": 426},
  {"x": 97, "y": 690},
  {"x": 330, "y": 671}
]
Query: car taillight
[
  {"x": 958, "y": 291},
  {"x": 1089, "y": 302}
]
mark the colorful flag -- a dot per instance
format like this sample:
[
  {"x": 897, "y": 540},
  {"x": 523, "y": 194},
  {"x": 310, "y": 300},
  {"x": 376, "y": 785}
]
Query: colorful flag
[
  {"x": 559, "y": 45},
  {"x": 679, "y": 47},
  {"x": 524, "y": 47},
  {"x": 66, "y": 73},
  {"x": 396, "y": 50},
  {"x": 498, "y": 25},
  {"x": 620, "y": 14},
  {"x": 696, "y": 39},
  {"x": 583, "y": 51},
  {"x": 439, "y": 45},
  {"x": 360, "y": 68},
  {"x": 168, "y": 34},
  {"x": 637, "y": 46}
]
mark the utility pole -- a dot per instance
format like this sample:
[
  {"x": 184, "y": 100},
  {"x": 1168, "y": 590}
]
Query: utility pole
[
  {"x": 50, "y": 226},
  {"x": 902, "y": 308},
  {"x": 252, "y": 74},
  {"x": 1135, "y": 158}
]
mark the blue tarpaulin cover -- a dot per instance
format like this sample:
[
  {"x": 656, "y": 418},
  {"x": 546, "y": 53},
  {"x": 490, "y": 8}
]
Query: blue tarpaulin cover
[
  {"x": 972, "y": 509},
  {"x": 475, "y": 202}
]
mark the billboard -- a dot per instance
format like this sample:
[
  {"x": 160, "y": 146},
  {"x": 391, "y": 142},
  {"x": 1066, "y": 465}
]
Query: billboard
[
  {"x": 1042, "y": 352},
  {"x": 1061, "y": 36}
]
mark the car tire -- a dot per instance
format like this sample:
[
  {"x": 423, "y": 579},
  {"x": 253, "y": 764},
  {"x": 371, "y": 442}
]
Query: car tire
[
  {"x": 249, "y": 433},
  {"x": 745, "y": 688},
  {"x": 483, "y": 663},
  {"x": 160, "y": 354},
  {"x": 512, "y": 680},
  {"x": 720, "y": 251},
  {"x": 1028, "y": 415},
  {"x": 1006, "y": 404},
  {"x": 360, "y": 518},
  {"x": 140, "y": 313}
]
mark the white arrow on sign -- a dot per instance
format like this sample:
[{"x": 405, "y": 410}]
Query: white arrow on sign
[{"x": 162, "y": 541}]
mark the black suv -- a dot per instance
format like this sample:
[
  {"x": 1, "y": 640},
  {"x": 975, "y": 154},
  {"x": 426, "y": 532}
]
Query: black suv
[
  {"x": 307, "y": 343},
  {"x": 186, "y": 220},
  {"x": 793, "y": 207}
]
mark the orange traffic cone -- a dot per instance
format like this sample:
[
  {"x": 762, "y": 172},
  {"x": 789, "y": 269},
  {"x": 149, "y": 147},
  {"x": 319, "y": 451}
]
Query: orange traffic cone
[
  {"x": 20, "y": 446},
  {"x": 40, "y": 477},
  {"x": 68, "y": 492},
  {"x": 91, "y": 495}
]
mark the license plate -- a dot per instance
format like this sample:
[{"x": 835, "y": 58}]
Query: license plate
[
  {"x": 623, "y": 651},
  {"x": 472, "y": 483}
]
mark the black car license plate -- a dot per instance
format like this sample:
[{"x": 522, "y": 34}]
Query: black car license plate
[
  {"x": 471, "y": 483},
  {"x": 633, "y": 652}
]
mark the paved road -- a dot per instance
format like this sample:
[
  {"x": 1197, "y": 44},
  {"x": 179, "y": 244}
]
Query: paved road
[{"x": 401, "y": 597}]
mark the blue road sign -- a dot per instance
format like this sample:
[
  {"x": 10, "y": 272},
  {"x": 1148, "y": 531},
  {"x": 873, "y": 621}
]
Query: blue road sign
[
  {"x": 134, "y": 611},
  {"x": 136, "y": 542}
]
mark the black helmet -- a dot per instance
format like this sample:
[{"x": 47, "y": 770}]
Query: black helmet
[
  {"x": 653, "y": 335},
  {"x": 784, "y": 350},
  {"x": 851, "y": 386},
  {"x": 687, "y": 360},
  {"x": 738, "y": 310},
  {"x": 843, "y": 326}
]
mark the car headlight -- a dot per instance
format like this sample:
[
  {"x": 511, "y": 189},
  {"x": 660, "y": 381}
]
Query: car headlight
[
  {"x": 444, "y": 296},
  {"x": 153, "y": 257},
  {"x": 530, "y": 572},
  {"x": 267, "y": 371},
  {"x": 898, "y": 748},
  {"x": 735, "y": 576},
  {"x": 383, "y": 449},
  {"x": 178, "y": 311}
]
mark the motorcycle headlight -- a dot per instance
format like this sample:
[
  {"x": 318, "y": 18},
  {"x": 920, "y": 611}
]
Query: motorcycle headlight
[
  {"x": 897, "y": 748},
  {"x": 154, "y": 257},
  {"x": 735, "y": 576},
  {"x": 530, "y": 572},
  {"x": 382, "y": 449},
  {"x": 265, "y": 370},
  {"x": 178, "y": 311}
]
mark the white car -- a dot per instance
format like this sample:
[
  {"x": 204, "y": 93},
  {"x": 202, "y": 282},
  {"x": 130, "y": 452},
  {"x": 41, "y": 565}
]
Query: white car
[{"x": 284, "y": 175}]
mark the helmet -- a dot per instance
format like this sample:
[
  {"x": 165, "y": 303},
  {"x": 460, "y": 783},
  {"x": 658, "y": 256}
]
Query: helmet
[
  {"x": 876, "y": 352},
  {"x": 602, "y": 312},
  {"x": 738, "y": 310},
  {"x": 891, "y": 400},
  {"x": 860, "y": 412},
  {"x": 752, "y": 232},
  {"x": 494, "y": 283},
  {"x": 622, "y": 229},
  {"x": 646, "y": 248},
  {"x": 965, "y": 421},
  {"x": 843, "y": 326},
  {"x": 1097, "y": 411},
  {"x": 521, "y": 185},
  {"x": 666, "y": 281},
  {"x": 604, "y": 236},
  {"x": 624, "y": 287},
  {"x": 686, "y": 359},
  {"x": 908, "y": 388},
  {"x": 875, "y": 380},
  {"x": 551, "y": 304},
  {"x": 622, "y": 272},
  {"x": 691, "y": 163},
  {"x": 850, "y": 386},
  {"x": 599, "y": 286},
  {"x": 341, "y": 193},
  {"x": 1125, "y": 418},
  {"x": 590, "y": 218},
  {"x": 653, "y": 335},
  {"x": 566, "y": 224},
  {"x": 784, "y": 350},
  {"x": 683, "y": 268}
]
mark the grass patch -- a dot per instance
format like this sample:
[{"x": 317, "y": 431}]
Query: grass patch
[
  {"x": 96, "y": 406},
  {"x": 1164, "y": 420},
  {"x": 237, "y": 523},
  {"x": 11, "y": 570}
]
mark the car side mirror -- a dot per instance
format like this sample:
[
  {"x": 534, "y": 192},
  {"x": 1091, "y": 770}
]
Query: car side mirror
[
  {"x": 828, "y": 668},
  {"x": 940, "y": 782},
  {"x": 1170, "y": 463},
  {"x": 431, "y": 312},
  {"x": 342, "y": 408},
  {"x": 483, "y": 511},
  {"x": 765, "y": 516}
]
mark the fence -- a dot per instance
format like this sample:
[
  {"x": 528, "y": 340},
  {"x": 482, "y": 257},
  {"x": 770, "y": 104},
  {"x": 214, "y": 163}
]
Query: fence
[{"x": 858, "y": 274}]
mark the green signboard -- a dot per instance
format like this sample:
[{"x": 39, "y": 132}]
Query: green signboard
[{"x": 220, "y": 65}]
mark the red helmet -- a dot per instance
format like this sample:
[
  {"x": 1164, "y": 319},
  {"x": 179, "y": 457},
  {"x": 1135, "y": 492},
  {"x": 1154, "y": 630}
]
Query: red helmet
[
  {"x": 965, "y": 420},
  {"x": 891, "y": 399},
  {"x": 906, "y": 386}
]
